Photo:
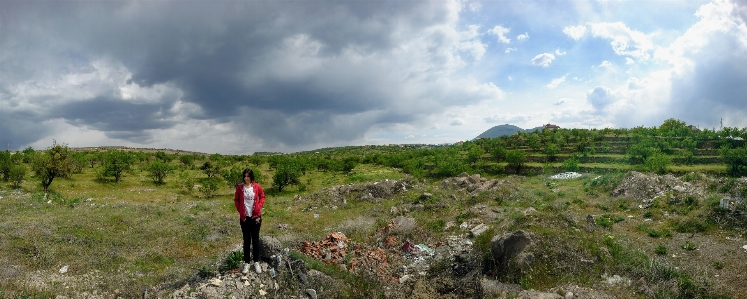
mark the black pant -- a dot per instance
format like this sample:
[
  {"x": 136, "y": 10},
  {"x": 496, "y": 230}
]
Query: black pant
[{"x": 250, "y": 232}]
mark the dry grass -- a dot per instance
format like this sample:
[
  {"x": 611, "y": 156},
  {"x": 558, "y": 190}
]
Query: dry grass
[{"x": 135, "y": 235}]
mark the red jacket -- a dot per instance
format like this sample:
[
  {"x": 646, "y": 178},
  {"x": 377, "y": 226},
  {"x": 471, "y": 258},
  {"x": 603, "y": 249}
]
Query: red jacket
[{"x": 259, "y": 201}]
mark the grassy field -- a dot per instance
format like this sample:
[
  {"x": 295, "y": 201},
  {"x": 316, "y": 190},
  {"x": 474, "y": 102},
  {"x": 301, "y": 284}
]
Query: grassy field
[{"x": 123, "y": 238}]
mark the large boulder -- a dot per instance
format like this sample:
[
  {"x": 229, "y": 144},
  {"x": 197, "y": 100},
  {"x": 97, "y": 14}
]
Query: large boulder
[
  {"x": 269, "y": 246},
  {"x": 506, "y": 247}
]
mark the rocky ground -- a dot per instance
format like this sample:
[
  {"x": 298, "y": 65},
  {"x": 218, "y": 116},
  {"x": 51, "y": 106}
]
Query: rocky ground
[{"x": 450, "y": 267}]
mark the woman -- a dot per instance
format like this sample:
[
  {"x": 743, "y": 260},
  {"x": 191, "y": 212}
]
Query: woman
[{"x": 249, "y": 199}]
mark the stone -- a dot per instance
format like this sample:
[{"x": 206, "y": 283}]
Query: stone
[
  {"x": 538, "y": 295},
  {"x": 724, "y": 204},
  {"x": 311, "y": 293},
  {"x": 493, "y": 288},
  {"x": 569, "y": 295},
  {"x": 405, "y": 278},
  {"x": 506, "y": 247},
  {"x": 215, "y": 282},
  {"x": 269, "y": 246},
  {"x": 262, "y": 293},
  {"x": 478, "y": 230},
  {"x": 590, "y": 223}
]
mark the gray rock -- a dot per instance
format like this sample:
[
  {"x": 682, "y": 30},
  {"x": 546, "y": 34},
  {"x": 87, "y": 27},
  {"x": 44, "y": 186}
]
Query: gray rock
[
  {"x": 478, "y": 230},
  {"x": 493, "y": 288},
  {"x": 269, "y": 246},
  {"x": 590, "y": 223},
  {"x": 311, "y": 293},
  {"x": 506, "y": 247},
  {"x": 538, "y": 295}
]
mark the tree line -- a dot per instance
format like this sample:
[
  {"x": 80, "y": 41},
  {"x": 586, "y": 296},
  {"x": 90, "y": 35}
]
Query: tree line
[{"x": 652, "y": 149}]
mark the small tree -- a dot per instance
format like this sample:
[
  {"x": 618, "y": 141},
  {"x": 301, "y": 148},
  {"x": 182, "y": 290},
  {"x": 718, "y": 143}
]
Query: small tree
[
  {"x": 186, "y": 181},
  {"x": 571, "y": 164},
  {"x": 551, "y": 150},
  {"x": 54, "y": 162},
  {"x": 348, "y": 164},
  {"x": 187, "y": 160},
  {"x": 209, "y": 186},
  {"x": 474, "y": 153},
  {"x": 28, "y": 155},
  {"x": 115, "y": 162},
  {"x": 159, "y": 170},
  {"x": 209, "y": 169},
  {"x": 287, "y": 174},
  {"x": 735, "y": 159},
  {"x": 17, "y": 173},
  {"x": 516, "y": 159},
  {"x": 78, "y": 160},
  {"x": 5, "y": 164},
  {"x": 658, "y": 163}
]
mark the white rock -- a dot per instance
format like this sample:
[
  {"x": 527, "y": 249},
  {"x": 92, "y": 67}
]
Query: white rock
[
  {"x": 63, "y": 269},
  {"x": 262, "y": 293},
  {"x": 215, "y": 282},
  {"x": 405, "y": 278}
]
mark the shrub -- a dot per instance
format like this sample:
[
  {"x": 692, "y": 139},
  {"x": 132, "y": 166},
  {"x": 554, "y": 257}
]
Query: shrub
[
  {"x": 115, "y": 163},
  {"x": 658, "y": 162},
  {"x": 571, "y": 164},
  {"x": 55, "y": 162},
  {"x": 232, "y": 261},
  {"x": 158, "y": 170},
  {"x": 689, "y": 246},
  {"x": 287, "y": 174},
  {"x": 16, "y": 175},
  {"x": 661, "y": 250},
  {"x": 209, "y": 186}
]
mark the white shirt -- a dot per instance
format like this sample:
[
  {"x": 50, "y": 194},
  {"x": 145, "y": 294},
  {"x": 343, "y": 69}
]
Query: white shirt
[{"x": 249, "y": 199}]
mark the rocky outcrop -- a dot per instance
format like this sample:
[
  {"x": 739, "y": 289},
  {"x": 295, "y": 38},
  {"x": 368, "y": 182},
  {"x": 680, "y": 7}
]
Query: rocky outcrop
[{"x": 509, "y": 246}]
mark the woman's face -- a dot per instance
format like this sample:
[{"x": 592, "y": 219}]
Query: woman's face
[{"x": 247, "y": 180}]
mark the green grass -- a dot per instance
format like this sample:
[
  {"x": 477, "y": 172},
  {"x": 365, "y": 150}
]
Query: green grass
[{"x": 137, "y": 234}]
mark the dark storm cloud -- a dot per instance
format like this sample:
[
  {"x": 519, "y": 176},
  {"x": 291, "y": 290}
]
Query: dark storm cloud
[
  {"x": 706, "y": 94},
  {"x": 116, "y": 117},
  {"x": 227, "y": 56}
]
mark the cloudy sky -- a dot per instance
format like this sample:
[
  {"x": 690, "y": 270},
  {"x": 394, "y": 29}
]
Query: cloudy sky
[{"x": 236, "y": 77}]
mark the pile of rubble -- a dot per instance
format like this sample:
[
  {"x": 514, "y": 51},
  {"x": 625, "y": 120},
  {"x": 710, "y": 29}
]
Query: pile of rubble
[
  {"x": 375, "y": 191},
  {"x": 330, "y": 250},
  {"x": 566, "y": 176},
  {"x": 475, "y": 184},
  {"x": 643, "y": 187}
]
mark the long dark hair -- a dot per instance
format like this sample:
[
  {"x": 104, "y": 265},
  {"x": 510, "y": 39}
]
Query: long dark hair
[{"x": 247, "y": 171}]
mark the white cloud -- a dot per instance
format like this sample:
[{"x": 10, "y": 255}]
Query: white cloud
[
  {"x": 635, "y": 83},
  {"x": 555, "y": 82},
  {"x": 625, "y": 41},
  {"x": 558, "y": 102},
  {"x": 543, "y": 60},
  {"x": 629, "y": 61},
  {"x": 457, "y": 122},
  {"x": 575, "y": 32},
  {"x": 522, "y": 37},
  {"x": 509, "y": 50},
  {"x": 471, "y": 42},
  {"x": 559, "y": 53},
  {"x": 475, "y": 6},
  {"x": 601, "y": 97},
  {"x": 500, "y": 32},
  {"x": 605, "y": 64}
]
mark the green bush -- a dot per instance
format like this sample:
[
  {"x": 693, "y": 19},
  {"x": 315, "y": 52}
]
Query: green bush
[
  {"x": 158, "y": 170},
  {"x": 571, "y": 164},
  {"x": 209, "y": 186},
  {"x": 661, "y": 250}
]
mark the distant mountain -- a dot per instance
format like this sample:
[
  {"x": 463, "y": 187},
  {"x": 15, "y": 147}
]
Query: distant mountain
[{"x": 504, "y": 130}]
